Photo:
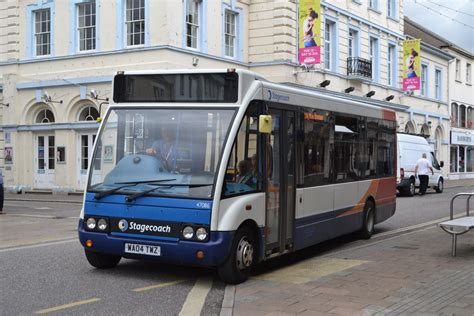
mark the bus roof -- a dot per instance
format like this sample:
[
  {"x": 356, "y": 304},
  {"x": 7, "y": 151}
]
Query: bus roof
[{"x": 289, "y": 93}]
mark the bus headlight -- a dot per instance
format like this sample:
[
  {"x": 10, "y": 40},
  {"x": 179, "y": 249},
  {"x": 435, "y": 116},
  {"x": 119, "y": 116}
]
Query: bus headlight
[
  {"x": 188, "y": 232},
  {"x": 91, "y": 223},
  {"x": 201, "y": 233},
  {"x": 102, "y": 224}
]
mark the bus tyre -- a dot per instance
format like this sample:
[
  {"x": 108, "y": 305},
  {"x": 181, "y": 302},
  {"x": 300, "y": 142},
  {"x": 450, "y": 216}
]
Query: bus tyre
[
  {"x": 439, "y": 187},
  {"x": 102, "y": 260},
  {"x": 242, "y": 257},
  {"x": 368, "y": 220},
  {"x": 411, "y": 188}
]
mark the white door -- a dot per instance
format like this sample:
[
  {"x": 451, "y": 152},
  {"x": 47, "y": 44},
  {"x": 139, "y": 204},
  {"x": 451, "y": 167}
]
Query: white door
[
  {"x": 85, "y": 144},
  {"x": 45, "y": 161}
]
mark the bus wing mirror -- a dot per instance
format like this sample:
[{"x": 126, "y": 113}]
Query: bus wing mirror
[
  {"x": 441, "y": 164},
  {"x": 265, "y": 124}
]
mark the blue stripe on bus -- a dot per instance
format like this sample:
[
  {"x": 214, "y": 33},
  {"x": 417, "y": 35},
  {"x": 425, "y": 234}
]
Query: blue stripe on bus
[
  {"x": 151, "y": 208},
  {"x": 141, "y": 237}
]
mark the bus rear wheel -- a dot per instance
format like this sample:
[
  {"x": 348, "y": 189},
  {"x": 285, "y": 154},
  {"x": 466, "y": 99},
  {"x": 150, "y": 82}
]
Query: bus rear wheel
[
  {"x": 102, "y": 260},
  {"x": 237, "y": 267},
  {"x": 368, "y": 220}
]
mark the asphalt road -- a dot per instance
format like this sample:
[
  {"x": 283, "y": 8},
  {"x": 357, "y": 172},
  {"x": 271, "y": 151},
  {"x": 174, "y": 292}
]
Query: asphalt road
[{"x": 43, "y": 268}]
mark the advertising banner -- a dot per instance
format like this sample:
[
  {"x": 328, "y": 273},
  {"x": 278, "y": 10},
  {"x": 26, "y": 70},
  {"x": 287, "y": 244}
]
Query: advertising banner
[
  {"x": 411, "y": 65},
  {"x": 309, "y": 30}
]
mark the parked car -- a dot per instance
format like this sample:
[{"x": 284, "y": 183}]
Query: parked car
[{"x": 409, "y": 150}]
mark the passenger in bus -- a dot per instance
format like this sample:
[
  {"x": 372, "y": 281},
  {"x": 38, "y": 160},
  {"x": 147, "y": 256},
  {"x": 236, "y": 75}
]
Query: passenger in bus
[
  {"x": 245, "y": 175},
  {"x": 165, "y": 148}
]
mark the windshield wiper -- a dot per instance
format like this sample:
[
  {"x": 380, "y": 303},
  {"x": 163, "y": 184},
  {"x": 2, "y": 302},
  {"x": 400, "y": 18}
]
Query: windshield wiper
[
  {"x": 100, "y": 195},
  {"x": 133, "y": 197}
]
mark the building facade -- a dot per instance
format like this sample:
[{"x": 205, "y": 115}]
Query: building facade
[
  {"x": 61, "y": 56},
  {"x": 460, "y": 100}
]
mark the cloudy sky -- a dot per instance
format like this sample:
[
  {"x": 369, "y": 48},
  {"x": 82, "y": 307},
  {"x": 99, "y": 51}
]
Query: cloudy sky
[{"x": 452, "y": 19}]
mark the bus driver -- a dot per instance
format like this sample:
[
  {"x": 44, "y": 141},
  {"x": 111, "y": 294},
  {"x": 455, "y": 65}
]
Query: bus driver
[{"x": 165, "y": 148}]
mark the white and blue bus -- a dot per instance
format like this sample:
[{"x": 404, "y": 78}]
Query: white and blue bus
[{"x": 224, "y": 169}]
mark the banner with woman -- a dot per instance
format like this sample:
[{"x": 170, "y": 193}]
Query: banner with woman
[
  {"x": 411, "y": 65},
  {"x": 309, "y": 30}
]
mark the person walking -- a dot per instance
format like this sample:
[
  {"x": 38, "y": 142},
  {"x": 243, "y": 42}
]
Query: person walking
[{"x": 422, "y": 168}]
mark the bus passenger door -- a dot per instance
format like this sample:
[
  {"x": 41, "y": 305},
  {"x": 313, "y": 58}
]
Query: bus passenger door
[{"x": 281, "y": 182}]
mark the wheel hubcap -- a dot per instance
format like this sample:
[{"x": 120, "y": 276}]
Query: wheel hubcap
[
  {"x": 440, "y": 185},
  {"x": 412, "y": 188},
  {"x": 370, "y": 220},
  {"x": 244, "y": 254}
]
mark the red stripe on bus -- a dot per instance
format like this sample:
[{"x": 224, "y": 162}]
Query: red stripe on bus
[{"x": 389, "y": 115}]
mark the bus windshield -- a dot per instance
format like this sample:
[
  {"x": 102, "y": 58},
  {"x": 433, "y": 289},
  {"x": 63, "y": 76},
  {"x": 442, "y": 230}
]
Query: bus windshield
[{"x": 165, "y": 152}]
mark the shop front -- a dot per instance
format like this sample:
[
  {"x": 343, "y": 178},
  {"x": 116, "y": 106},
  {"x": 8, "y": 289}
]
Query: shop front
[{"x": 462, "y": 154}]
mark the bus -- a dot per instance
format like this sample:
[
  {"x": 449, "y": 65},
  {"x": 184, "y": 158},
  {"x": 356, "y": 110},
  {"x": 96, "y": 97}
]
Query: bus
[{"x": 224, "y": 169}]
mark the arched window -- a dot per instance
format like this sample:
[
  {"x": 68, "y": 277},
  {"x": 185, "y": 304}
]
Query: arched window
[
  {"x": 89, "y": 113},
  {"x": 45, "y": 116},
  {"x": 409, "y": 129},
  {"x": 454, "y": 115},
  {"x": 470, "y": 117},
  {"x": 462, "y": 115}
]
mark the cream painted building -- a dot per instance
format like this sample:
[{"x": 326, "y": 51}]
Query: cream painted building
[
  {"x": 460, "y": 99},
  {"x": 62, "y": 54}
]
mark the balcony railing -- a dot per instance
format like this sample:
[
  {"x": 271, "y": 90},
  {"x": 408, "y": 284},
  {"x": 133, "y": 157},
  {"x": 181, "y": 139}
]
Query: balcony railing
[{"x": 359, "y": 67}]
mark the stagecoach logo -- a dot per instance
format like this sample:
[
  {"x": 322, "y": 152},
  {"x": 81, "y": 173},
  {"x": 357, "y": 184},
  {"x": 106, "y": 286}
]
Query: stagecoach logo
[
  {"x": 277, "y": 97},
  {"x": 123, "y": 225}
]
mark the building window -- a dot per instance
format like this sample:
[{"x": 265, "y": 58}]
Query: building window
[
  {"x": 392, "y": 8},
  {"x": 90, "y": 113},
  {"x": 374, "y": 4},
  {"x": 454, "y": 115},
  {"x": 329, "y": 45},
  {"x": 135, "y": 22},
  {"x": 42, "y": 32},
  {"x": 438, "y": 84},
  {"x": 468, "y": 73},
  {"x": 230, "y": 33},
  {"x": 391, "y": 65},
  {"x": 86, "y": 26},
  {"x": 458, "y": 70},
  {"x": 424, "y": 80},
  {"x": 45, "y": 116},
  {"x": 374, "y": 58},
  {"x": 462, "y": 116},
  {"x": 192, "y": 23},
  {"x": 470, "y": 117},
  {"x": 353, "y": 43}
]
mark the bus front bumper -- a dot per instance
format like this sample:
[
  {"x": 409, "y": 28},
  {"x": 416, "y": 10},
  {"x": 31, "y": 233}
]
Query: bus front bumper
[{"x": 216, "y": 250}]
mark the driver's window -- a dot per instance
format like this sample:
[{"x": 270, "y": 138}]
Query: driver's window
[
  {"x": 435, "y": 162},
  {"x": 243, "y": 169}
]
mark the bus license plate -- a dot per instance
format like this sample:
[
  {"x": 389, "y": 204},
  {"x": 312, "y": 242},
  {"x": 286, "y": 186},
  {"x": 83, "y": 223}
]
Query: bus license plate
[{"x": 143, "y": 249}]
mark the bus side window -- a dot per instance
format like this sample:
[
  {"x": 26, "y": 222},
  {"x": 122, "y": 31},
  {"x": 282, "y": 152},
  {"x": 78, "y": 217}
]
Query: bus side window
[
  {"x": 242, "y": 173},
  {"x": 346, "y": 154}
]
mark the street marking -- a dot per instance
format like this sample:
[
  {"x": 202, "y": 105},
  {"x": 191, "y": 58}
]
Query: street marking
[
  {"x": 56, "y": 242},
  {"x": 43, "y": 208},
  {"x": 74, "y": 304},
  {"x": 42, "y": 216},
  {"x": 196, "y": 297},
  {"x": 309, "y": 270},
  {"x": 156, "y": 286}
]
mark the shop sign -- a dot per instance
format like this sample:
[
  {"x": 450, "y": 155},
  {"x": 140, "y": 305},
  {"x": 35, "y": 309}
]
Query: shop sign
[{"x": 462, "y": 138}]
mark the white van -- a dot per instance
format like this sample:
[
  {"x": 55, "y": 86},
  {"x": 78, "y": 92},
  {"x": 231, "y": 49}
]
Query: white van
[{"x": 409, "y": 150}]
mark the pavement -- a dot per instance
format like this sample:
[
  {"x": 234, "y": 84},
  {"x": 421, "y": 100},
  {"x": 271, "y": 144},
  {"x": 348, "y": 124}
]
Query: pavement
[{"x": 407, "y": 273}]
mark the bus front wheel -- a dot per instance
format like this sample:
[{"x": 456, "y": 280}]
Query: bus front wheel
[
  {"x": 242, "y": 257},
  {"x": 368, "y": 220},
  {"x": 102, "y": 260}
]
